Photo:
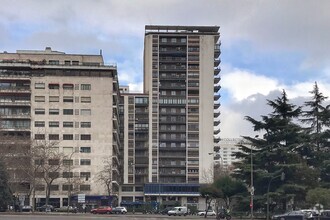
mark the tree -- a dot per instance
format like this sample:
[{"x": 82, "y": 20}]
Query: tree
[
  {"x": 229, "y": 188},
  {"x": 47, "y": 162},
  {"x": 5, "y": 193},
  {"x": 105, "y": 175},
  {"x": 209, "y": 192},
  {"x": 319, "y": 196},
  {"x": 280, "y": 148}
]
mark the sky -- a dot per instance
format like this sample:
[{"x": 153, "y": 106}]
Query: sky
[{"x": 266, "y": 46}]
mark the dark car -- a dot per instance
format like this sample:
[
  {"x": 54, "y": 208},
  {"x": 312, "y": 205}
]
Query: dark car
[
  {"x": 45, "y": 208},
  {"x": 26, "y": 208},
  {"x": 102, "y": 210},
  {"x": 165, "y": 211}
]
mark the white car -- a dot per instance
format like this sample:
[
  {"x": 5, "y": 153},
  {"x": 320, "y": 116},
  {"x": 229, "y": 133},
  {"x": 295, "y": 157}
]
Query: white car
[
  {"x": 119, "y": 210},
  {"x": 209, "y": 213}
]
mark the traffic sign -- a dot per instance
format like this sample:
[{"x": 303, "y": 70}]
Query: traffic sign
[{"x": 81, "y": 198}]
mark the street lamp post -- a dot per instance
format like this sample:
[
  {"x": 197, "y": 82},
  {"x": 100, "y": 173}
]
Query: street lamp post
[
  {"x": 282, "y": 178},
  {"x": 252, "y": 186}
]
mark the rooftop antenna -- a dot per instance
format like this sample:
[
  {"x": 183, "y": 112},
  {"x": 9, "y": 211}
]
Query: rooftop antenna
[{"x": 101, "y": 52}]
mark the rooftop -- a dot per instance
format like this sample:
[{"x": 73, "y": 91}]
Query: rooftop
[{"x": 181, "y": 29}]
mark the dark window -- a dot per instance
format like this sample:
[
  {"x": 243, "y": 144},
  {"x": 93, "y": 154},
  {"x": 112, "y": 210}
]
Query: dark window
[
  {"x": 85, "y": 124},
  {"x": 67, "y": 174},
  {"x": 39, "y": 136},
  {"x": 67, "y": 136},
  {"x": 85, "y": 149},
  {"x": 67, "y": 187},
  {"x": 53, "y": 86},
  {"x": 85, "y": 187},
  {"x": 67, "y": 162},
  {"x": 85, "y": 137},
  {"x": 85, "y": 162},
  {"x": 68, "y": 99},
  {"x": 53, "y": 161},
  {"x": 85, "y": 175},
  {"x": 39, "y": 124},
  {"x": 54, "y": 98},
  {"x": 68, "y": 86},
  {"x": 67, "y": 111},
  {"x": 54, "y": 124},
  {"x": 68, "y": 124},
  {"x": 54, "y": 187},
  {"x": 54, "y": 111},
  {"x": 54, "y": 175},
  {"x": 54, "y": 137},
  {"x": 85, "y": 86},
  {"x": 39, "y": 111}
]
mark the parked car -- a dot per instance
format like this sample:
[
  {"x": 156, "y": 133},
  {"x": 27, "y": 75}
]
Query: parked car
[
  {"x": 209, "y": 213},
  {"x": 26, "y": 208},
  {"x": 165, "y": 211},
  {"x": 294, "y": 215},
  {"x": 180, "y": 210},
  {"x": 102, "y": 210},
  {"x": 119, "y": 210},
  {"x": 67, "y": 209},
  {"x": 45, "y": 208}
]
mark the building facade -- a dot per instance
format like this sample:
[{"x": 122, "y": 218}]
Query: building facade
[
  {"x": 180, "y": 102},
  {"x": 68, "y": 103}
]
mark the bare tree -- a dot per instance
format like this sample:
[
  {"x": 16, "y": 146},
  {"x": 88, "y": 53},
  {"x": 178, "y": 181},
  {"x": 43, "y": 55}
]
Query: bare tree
[
  {"x": 105, "y": 175},
  {"x": 48, "y": 162}
]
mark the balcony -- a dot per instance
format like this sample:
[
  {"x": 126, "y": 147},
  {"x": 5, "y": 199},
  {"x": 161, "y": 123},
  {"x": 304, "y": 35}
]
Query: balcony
[
  {"x": 216, "y": 131},
  {"x": 216, "y": 148},
  {"x": 216, "y": 114},
  {"x": 16, "y": 116},
  {"x": 216, "y": 105},
  {"x": 217, "y": 51},
  {"x": 175, "y": 68},
  {"x": 15, "y": 90},
  {"x": 172, "y": 59},
  {"x": 217, "y": 79},
  {"x": 216, "y": 88},
  {"x": 15, "y": 103},
  {"x": 217, "y": 71},
  {"x": 216, "y": 123},
  {"x": 217, "y": 61},
  {"x": 216, "y": 97}
]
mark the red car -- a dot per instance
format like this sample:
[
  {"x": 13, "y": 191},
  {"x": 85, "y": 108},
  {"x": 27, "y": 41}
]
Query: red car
[{"x": 102, "y": 210}]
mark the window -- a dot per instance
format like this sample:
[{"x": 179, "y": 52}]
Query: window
[
  {"x": 75, "y": 62},
  {"x": 85, "y": 99},
  {"x": 54, "y": 187},
  {"x": 127, "y": 189},
  {"x": 39, "y": 136},
  {"x": 85, "y": 162},
  {"x": 85, "y": 149},
  {"x": 68, "y": 86},
  {"x": 40, "y": 188},
  {"x": 39, "y": 98},
  {"x": 85, "y": 187},
  {"x": 39, "y": 85},
  {"x": 54, "y": 98},
  {"x": 54, "y": 62},
  {"x": 68, "y": 124},
  {"x": 68, "y": 99},
  {"x": 67, "y": 62},
  {"x": 85, "y": 137},
  {"x": 67, "y": 174},
  {"x": 54, "y": 124},
  {"x": 54, "y": 162},
  {"x": 85, "y": 175},
  {"x": 39, "y": 124},
  {"x": 54, "y": 137},
  {"x": 85, "y": 124},
  {"x": 39, "y": 111},
  {"x": 85, "y": 86},
  {"x": 54, "y": 111},
  {"x": 85, "y": 112},
  {"x": 67, "y": 162},
  {"x": 67, "y": 111},
  {"x": 67, "y": 136},
  {"x": 66, "y": 187},
  {"x": 53, "y": 86}
]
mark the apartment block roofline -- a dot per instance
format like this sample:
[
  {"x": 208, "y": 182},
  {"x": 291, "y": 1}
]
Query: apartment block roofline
[{"x": 181, "y": 29}]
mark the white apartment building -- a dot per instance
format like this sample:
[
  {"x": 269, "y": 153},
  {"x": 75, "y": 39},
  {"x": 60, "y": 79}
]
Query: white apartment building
[{"x": 71, "y": 101}]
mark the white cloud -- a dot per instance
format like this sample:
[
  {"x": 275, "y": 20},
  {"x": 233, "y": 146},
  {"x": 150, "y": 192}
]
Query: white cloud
[{"x": 241, "y": 84}]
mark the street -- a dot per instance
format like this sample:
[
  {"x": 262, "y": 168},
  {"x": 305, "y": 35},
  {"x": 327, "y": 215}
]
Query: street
[{"x": 60, "y": 216}]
